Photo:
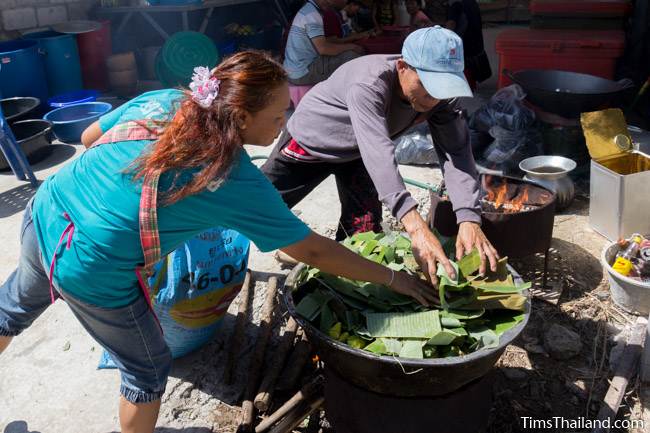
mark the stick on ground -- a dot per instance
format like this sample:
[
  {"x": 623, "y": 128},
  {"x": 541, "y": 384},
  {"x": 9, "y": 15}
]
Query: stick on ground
[
  {"x": 625, "y": 369},
  {"x": 263, "y": 398},
  {"x": 234, "y": 343},
  {"x": 257, "y": 360},
  {"x": 296, "y": 363},
  {"x": 307, "y": 391},
  {"x": 298, "y": 414}
]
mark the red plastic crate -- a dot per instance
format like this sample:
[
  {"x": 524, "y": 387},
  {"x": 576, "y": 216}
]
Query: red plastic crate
[
  {"x": 581, "y": 8},
  {"x": 588, "y": 52}
]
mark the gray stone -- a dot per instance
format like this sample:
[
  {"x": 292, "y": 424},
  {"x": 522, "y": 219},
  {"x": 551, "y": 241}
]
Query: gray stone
[
  {"x": 7, "y": 4},
  {"x": 535, "y": 348},
  {"x": 561, "y": 342},
  {"x": 18, "y": 19}
]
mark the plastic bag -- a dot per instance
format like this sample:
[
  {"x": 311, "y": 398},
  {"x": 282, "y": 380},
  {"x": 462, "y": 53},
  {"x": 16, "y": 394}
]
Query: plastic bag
[
  {"x": 510, "y": 148},
  {"x": 504, "y": 109},
  {"x": 415, "y": 146},
  {"x": 193, "y": 286},
  {"x": 511, "y": 124}
]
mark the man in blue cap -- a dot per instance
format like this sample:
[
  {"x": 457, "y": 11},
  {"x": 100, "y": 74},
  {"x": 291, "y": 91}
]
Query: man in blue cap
[{"x": 345, "y": 126}]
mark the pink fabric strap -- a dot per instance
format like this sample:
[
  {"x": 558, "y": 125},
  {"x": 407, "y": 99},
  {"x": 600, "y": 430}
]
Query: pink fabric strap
[{"x": 69, "y": 231}]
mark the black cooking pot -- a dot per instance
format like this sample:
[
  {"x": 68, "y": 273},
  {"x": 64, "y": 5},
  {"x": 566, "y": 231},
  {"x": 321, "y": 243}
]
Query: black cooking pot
[
  {"x": 34, "y": 137},
  {"x": 570, "y": 93},
  {"x": 19, "y": 108},
  {"x": 401, "y": 377}
]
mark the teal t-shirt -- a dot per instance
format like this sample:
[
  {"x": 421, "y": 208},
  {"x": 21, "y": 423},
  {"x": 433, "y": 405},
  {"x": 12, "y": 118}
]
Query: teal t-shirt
[{"x": 103, "y": 201}]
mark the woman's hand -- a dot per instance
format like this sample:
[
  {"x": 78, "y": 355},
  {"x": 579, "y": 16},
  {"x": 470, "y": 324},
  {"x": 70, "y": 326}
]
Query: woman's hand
[{"x": 416, "y": 288}]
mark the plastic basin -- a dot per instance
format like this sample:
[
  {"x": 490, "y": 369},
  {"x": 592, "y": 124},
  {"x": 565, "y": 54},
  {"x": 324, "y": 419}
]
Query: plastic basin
[
  {"x": 72, "y": 98},
  {"x": 19, "y": 108},
  {"x": 33, "y": 136},
  {"x": 70, "y": 122},
  {"x": 631, "y": 295}
]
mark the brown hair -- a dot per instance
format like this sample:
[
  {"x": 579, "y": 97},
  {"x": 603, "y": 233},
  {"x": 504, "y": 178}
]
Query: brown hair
[{"x": 210, "y": 138}]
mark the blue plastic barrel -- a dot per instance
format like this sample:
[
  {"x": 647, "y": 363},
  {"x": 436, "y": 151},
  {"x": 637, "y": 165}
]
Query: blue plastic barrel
[
  {"x": 61, "y": 59},
  {"x": 21, "y": 70}
]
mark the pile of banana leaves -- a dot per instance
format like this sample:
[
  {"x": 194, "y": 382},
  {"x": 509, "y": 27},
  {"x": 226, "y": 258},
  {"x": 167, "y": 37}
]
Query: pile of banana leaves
[{"x": 472, "y": 313}]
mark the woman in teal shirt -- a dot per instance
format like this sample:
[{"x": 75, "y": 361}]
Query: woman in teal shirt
[{"x": 148, "y": 187}]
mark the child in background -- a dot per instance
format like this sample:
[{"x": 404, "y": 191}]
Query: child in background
[
  {"x": 418, "y": 18},
  {"x": 336, "y": 30}
]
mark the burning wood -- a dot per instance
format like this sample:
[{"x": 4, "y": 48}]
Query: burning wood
[{"x": 504, "y": 197}]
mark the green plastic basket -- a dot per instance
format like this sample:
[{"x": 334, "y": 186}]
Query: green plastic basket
[{"x": 179, "y": 56}]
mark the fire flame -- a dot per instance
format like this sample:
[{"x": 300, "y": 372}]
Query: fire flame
[{"x": 498, "y": 195}]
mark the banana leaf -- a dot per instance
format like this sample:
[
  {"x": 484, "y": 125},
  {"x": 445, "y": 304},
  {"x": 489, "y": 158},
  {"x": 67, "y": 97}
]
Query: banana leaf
[
  {"x": 441, "y": 272},
  {"x": 412, "y": 349},
  {"x": 501, "y": 321},
  {"x": 327, "y": 318},
  {"x": 392, "y": 345},
  {"x": 497, "y": 302},
  {"x": 450, "y": 322},
  {"x": 444, "y": 337},
  {"x": 311, "y": 304},
  {"x": 403, "y": 325},
  {"x": 470, "y": 263},
  {"x": 491, "y": 285},
  {"x": 462, "y": 315},
  {"x": 485, "y": 337},
  {"x": 368, "y": 248},
  {"x": 377, "y": 347}
]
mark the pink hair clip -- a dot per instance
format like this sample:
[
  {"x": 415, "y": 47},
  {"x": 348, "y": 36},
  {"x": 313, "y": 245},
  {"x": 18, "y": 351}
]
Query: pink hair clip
[{"x": 204, "y": 86}]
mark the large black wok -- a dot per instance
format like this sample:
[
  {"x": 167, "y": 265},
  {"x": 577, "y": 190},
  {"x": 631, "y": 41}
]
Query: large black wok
[
  {"x": 400, "y": 376},
  {"x": 570, "y": 93}
]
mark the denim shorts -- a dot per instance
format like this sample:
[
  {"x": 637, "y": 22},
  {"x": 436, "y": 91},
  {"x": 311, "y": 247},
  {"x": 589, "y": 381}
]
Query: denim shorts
[{"x": 130, "y": 334}]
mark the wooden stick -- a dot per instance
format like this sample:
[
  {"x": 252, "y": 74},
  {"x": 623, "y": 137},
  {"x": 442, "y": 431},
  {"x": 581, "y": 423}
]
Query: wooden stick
[
  {"x": 624, "y": 370},
  {"x": 296, "y": 364},
  {"x": 310, "y": 389},
  {"x": 296, "y": 416},
  {"x": 234, "y": 343},
  {"x": 257, "y": 361},
  {"x": 265, "y": 392}
]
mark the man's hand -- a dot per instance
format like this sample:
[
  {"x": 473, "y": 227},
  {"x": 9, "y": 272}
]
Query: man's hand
[
  {"x": 470, "y": 236},
  {"x": 426, "y": 248}
]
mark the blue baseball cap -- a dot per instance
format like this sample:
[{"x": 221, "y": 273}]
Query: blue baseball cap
[{"x": 437, "y": 56}]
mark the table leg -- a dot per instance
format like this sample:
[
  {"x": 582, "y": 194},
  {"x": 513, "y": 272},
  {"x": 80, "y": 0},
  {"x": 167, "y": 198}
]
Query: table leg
[
  {"x": 155, "y": 25},
  {"x": 125, "y": 20},
  {"x": 206, "y": 19},
  {"x": 186, "y": 26}
]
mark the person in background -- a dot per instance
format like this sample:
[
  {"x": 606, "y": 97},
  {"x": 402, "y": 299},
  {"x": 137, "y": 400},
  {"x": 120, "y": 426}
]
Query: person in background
[
  {"x": 309, "y": 57},
  {"x": 145, "y": 187},
  {"x": 384, "y": 13},
  {"x": 436, "y": 10},
  {"x": 349, "y": 14},
  {"x": 418, "y": 18},
  {"x": 464, "y": 18},
  {"x": 336, "y": 30}
]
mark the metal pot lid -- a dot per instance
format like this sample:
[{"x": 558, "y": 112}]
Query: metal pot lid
[{"x": 77, "y": 27}]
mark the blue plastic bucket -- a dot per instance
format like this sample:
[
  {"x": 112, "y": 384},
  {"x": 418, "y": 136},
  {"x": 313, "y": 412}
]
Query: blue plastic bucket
[
  {"x": 21, "y": 70},
  {"x": 72, "y": 98},
  {"x": 68, "y": 123},
  {"x": 61, "y": 60}
]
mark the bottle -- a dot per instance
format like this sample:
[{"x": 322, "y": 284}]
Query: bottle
[{"x": 623, "y": 264}]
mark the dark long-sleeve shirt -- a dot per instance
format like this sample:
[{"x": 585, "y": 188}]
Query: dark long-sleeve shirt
[{"x": 357, "y": 112}]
